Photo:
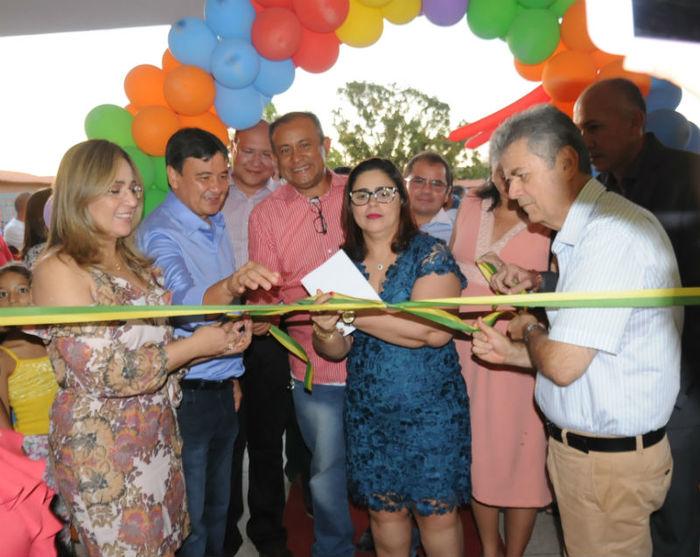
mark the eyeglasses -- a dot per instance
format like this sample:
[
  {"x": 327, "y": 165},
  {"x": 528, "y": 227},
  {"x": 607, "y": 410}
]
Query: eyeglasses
[
  {"x": 320, "y": 224},
  {"x": 384, "y": 194},
  {"x": 117, "y": 190},
  {"x": 419, "y": 182}
]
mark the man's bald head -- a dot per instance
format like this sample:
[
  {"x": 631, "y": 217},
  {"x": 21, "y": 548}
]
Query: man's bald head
[{"x": 611, "y": 115}]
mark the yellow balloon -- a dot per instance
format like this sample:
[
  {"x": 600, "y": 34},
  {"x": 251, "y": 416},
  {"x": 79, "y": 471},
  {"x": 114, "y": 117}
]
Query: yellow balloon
[
  {"x": 362, "y": 27},
  {"x": 376, "y": 3},
  {"x": 402, "y": 11}
]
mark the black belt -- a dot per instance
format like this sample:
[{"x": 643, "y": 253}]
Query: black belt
[
  {"x": 203, "y": 385},
  {"x": 584, "y": 443}
]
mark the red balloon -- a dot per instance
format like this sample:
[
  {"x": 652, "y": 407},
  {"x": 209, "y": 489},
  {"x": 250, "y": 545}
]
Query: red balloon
[
  {"x": 275, "y": 3},
  {"x": 276, "y": 33},
  {"x": 257, "y": 7},
  {"x": 317, "y": 52},
  {"x": 321, "y": 16}
]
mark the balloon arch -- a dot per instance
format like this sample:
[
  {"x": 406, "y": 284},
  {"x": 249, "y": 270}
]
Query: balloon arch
[{"x": 222, "y": 70}]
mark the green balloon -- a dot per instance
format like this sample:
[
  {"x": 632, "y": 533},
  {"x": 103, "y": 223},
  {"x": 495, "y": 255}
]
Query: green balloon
[
  {"x": 559, "y": 7},
  {"x": 143, "y": 162},
  {"x": 533, "y": 36},
  {"x": 490, "y": 19},
  {"x": 536, "y": 3},
  {"x": 152, "y": 198},
  {"x": 110, "y": 122},
  {"x": 161, "y": 177}
]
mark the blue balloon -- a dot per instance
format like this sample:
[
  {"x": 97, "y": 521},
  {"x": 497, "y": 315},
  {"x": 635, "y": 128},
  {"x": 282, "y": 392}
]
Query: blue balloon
[
  {"x": 230, "y": 18},
  {"x": 275, "y": 77},
  {"x": 192, "y": 42},
  {"x": 670, "y": 127},
  {"x": 663, "y": 94},
  {"x": 235, "y": 63},
  {"x": 239, "y": 108},
  {"x": 693, "y": 144}
]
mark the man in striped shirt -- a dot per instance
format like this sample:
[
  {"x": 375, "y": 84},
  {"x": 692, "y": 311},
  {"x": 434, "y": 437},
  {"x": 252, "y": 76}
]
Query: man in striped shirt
[
  {"x": 292, "y": 231},
  {"x": 607, "y": 378}
]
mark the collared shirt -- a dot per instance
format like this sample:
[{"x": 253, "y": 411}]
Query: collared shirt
[
  {"x": 440, "y": 226},
  {"x": 193, "y": 255},
  {"x": 667, "y": 183},
  {"x": 283, "y": 237},
  {"x": 608, "y": 243},
  {"x": 14, "y": 233},
  {"x": 236, "y": 213}
]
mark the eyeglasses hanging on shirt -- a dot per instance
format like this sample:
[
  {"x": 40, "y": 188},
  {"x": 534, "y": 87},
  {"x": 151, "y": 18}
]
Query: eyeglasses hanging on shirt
[{"x": 320, "y": 224}]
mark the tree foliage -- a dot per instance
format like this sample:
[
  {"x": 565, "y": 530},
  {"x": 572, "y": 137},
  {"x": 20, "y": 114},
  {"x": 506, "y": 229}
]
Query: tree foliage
[{"x": 394, "y": 123}]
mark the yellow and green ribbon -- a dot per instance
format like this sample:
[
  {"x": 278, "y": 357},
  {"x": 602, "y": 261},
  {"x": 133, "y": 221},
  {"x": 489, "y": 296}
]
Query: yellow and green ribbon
[{"x": 432, "y": 310}]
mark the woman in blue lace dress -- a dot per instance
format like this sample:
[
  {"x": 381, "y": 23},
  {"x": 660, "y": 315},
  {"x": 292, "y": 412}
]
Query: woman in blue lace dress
[{"x": 406, "y": 414}]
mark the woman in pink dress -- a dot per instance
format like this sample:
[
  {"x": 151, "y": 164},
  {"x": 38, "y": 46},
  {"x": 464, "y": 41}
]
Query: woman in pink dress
[{"x": 508, "y": 436}]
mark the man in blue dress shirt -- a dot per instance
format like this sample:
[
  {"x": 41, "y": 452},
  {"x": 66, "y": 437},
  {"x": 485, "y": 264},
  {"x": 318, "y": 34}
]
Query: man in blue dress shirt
[
  {"x": 186, "y": 236},
  {"x": 429, "y": 179}
]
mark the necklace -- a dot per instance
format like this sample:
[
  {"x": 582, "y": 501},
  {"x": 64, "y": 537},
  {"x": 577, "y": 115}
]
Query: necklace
[{"x": 380, "y": 266}]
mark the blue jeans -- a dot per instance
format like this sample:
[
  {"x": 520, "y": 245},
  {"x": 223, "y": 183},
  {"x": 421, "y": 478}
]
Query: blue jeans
[
  {"x": 320, "y": 417},
  {"x": 209, "y": 426}
]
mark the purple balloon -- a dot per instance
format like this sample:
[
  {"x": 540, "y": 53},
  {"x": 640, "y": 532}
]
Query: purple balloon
[{"x": 445, "y": 12}]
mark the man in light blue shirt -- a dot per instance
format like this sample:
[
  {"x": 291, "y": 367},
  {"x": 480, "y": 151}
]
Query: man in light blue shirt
[
  {"x": 607, "y": 378},
  {"x": 429, "y": 179},
  {"x": 186, "y": 236}
]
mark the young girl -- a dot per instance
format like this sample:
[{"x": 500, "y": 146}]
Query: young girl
[{"x": 27, "y": 382}]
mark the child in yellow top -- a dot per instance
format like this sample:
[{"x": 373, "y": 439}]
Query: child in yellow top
[{"x": 27, "y": 382}]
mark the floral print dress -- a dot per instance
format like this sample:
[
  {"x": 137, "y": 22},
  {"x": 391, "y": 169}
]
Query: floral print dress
[{"x": 114, "y": 444}]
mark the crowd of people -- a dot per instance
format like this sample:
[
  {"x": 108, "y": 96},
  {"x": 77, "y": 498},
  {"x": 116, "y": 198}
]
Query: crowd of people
[{"x": 143, "y": 423}]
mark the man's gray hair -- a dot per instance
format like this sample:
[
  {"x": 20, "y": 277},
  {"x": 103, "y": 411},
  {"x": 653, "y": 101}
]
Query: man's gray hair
[{"x": 547, "y": 131}]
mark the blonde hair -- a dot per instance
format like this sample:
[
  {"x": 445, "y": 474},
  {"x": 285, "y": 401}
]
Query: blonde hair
[{"x": 85, "y": 173}]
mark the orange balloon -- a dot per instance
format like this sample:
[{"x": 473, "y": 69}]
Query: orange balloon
[
  {"x": 152, "y": 127},
  {"x": 189, "y": 90},
  {"x": 169, "y": 62},
  {"x": 574, "y": 31},
  {"x": 131, "y": 109},
  {"x": 533, "y": 72},
  {"x": 144, "y": 86},
  {"x": 567, "y": 107},
  {"x": 567, "y": 74},
  {"x": 601, "y": 58},
  {"x": 615, "y": 69},
  {"x": 207, "y": 122}
]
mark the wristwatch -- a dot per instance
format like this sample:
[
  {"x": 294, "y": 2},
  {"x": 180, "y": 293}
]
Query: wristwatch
[{"x": 527, "y": 331}]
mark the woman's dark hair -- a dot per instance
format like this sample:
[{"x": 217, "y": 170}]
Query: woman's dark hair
[
  {"x": 354, "y": 244},
  {"x": 18, "y": 269},
  {"x": 35, "y": 229},
  {"x": 489, "y": 191}
]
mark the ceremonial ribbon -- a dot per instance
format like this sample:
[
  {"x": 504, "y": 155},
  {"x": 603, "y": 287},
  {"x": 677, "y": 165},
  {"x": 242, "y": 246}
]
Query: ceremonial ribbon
[{"x": 431, "y": 310}]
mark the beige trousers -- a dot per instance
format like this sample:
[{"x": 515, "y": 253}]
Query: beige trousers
[{"x": 605, "y": 499}]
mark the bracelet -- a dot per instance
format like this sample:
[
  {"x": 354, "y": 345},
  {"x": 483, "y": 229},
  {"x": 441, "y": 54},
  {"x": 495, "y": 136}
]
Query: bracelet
[
  {"x": 322, "y": 334},
  {"x": 530, "y": 328}
]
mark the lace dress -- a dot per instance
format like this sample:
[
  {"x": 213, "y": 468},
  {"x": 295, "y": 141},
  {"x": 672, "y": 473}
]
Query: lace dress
[
  {"x": 115, "y": 447},
  {"x": 406, "y": 409}
]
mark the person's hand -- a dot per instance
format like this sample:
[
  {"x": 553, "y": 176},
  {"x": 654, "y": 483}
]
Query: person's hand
[
  {"x": 252, "y": 276},
  {"x": 491, "y": 345},
  {"x": 325, "y": 321},
  {"x": 261, "y": 328},
  {"x": 222, "y": 339},
  {"x": 241, "y": 334},
  {"x": 516, "y": 327},
  {"x": 512, "y": 279},
  {"x": 237, "y": 395}
]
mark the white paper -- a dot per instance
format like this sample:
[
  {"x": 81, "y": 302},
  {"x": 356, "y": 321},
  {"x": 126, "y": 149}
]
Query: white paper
[{"x": 340, "y": 275}]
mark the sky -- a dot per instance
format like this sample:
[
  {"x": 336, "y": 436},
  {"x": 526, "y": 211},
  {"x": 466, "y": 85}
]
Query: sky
[{"x": 50, "y": 82}]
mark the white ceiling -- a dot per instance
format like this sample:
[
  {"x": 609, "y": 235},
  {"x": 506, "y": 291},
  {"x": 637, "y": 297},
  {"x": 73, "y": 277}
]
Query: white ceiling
[{"x": 30, "y": 17}]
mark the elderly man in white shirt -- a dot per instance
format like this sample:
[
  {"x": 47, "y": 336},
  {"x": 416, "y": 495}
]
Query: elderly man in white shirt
[
  {"x": 14, "y": 230},
  {"x": 607, "y": 378}
]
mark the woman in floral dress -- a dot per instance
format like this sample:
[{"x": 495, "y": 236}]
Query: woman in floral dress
[{"x": 114, "y": 442}]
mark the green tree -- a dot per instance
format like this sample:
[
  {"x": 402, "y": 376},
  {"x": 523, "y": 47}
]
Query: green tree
[{"x": 395, "y": 123}]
